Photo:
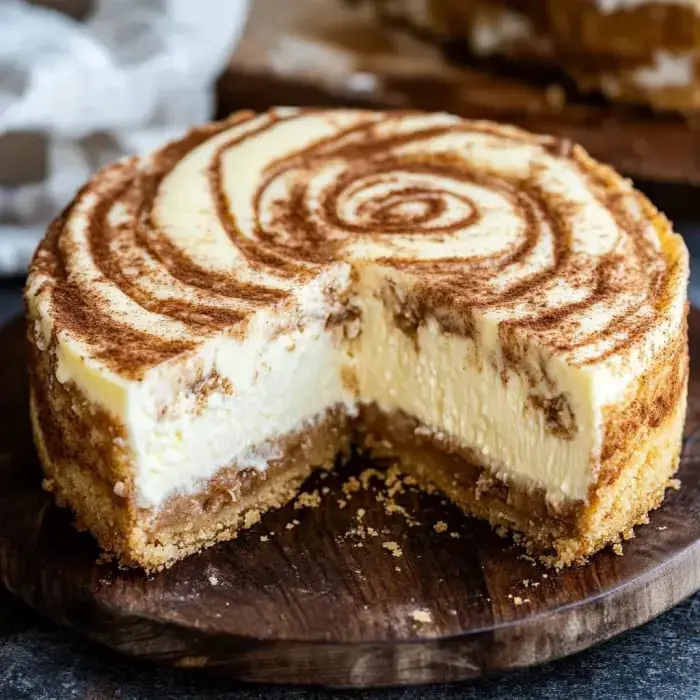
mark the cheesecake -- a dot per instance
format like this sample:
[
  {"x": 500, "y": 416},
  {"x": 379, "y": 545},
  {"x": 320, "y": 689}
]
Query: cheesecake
[
  {"x": 637, "y": 51},
  {"x": 493, "y": 311}
]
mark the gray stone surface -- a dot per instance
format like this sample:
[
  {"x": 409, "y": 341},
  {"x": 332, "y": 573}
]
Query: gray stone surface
[{"x": 659, "y": 661}]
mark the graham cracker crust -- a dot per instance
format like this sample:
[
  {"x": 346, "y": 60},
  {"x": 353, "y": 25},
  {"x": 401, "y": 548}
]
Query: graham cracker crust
[
  {"x": 559, "y": 534},
  {"x": 233, "y": 500}
]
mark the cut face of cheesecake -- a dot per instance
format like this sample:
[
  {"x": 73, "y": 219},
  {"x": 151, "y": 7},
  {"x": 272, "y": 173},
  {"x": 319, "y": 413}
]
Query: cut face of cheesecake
[{"x": 496, "y": 311}]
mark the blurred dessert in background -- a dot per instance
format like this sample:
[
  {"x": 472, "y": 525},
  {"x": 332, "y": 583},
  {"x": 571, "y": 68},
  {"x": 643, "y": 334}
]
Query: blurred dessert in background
[
  {"x": 330, "y": 52},
  {"x": 637, "y": 51}
]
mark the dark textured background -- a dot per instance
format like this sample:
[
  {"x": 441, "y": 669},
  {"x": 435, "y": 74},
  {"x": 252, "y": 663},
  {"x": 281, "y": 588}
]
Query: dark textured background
[
  {"x": 661, "y": 660},
  {"x": 41, "y": 661}
]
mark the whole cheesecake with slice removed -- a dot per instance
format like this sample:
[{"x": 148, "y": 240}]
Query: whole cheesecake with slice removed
[{"x": 495, "y": 310}]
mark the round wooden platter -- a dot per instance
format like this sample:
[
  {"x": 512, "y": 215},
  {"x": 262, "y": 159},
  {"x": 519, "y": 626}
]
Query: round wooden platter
[{"x": 313, "y": 603}]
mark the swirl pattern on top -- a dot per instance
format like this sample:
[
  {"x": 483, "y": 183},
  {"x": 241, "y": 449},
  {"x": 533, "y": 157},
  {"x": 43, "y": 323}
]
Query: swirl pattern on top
[{"x": 156, "y": 253}]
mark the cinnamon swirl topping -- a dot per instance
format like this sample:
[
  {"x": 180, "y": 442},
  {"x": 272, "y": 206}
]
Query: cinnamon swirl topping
[{"x": 157, "y": 253}]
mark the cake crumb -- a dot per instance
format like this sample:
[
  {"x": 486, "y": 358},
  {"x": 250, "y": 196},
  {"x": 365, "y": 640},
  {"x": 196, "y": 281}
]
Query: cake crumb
[
  {"x": 213, "y": 580},
  {"x": 308, "y": 500},
  {"x": 393, "y": 508},
  {"x": 366, "y": 476},
  {"x": 264, "y": 538},
  {"x": 394, "y": 548},
  {"x": 120, "y": 489},
  {"x": 517, "y": 600},
  {"x": 352, "y": 485},
  {"x": 661, "y": 528},
  {"x": 674, "y": 484},
  {"x": 440, "y": 526},
  {"x": 397, "y": 568},
  {"x": 358, "y": 531},
  {"x": 617, "y": 548},
  {"x": 422, "y": 616},
  {"x": 342, "y": 503},
  {"x": 251, "y": 517},
  {"x": 392, "y": 475},
  {"x": 455, "y": 535},
  {"x": 429, "y": 488},
  {"x": 325, "y": 490},
  {"x": 360, "y": 513},
  {"x": 395, "y": 489}
]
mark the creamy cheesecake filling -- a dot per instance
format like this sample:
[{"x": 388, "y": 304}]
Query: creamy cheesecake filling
[
  {"x": 462, "y": 387},
  {"x": 227, "y": 403},
  {"x": 278, "y": 387},
  {"x": 231, "y": 401}
]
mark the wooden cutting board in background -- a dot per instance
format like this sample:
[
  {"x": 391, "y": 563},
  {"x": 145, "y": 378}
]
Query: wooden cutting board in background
[{"x": 320, "y": 52}]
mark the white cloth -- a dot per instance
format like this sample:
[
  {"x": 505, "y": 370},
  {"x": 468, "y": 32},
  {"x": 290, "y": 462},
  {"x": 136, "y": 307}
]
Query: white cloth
[{"x": 126, "y": 78}]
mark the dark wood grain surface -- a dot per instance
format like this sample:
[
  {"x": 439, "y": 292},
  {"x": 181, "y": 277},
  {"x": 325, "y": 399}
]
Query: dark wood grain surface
[{"x": 318, "y": 604}]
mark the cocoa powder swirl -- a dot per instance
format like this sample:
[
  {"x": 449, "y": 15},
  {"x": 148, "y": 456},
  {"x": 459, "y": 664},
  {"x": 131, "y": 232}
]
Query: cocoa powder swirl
[{"x": 163, "y": 251}]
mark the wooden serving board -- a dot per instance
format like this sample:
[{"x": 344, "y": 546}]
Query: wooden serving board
[{"x": 314, "y": 603}]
